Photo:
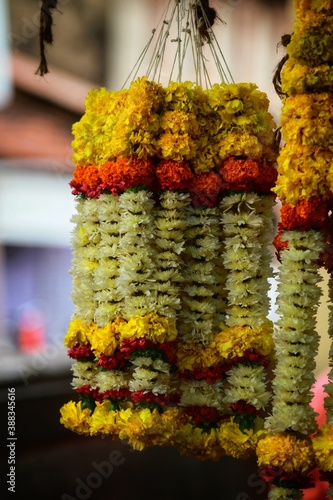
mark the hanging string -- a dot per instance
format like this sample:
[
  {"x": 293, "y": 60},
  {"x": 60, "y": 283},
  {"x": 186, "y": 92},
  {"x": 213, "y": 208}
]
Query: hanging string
[
  {"x": 187, "y": 25},
  {"x": 45, "y": 32},
  {"x": 285, "y": 40}
]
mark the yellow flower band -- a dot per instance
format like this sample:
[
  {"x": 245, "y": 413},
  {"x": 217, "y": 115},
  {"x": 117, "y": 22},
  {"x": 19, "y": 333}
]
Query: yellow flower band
[
  {"x": 313, "y": 46},
  {"x": 303, "y": 173},
  {"x": 103, "y": 340},
  {"x": 151, "y": 327},
  {"x": 298, "y": 78},
  {"x": 304, "y": 8},
  {"x": 231, "y": 342},
  {"x": 287, "y": 451},
  {"x": 180, "y": 122},
  {"x": 143, "y": 427},
  {"x": 236, "y": 340},
  {"x": 323, "y": 448}
]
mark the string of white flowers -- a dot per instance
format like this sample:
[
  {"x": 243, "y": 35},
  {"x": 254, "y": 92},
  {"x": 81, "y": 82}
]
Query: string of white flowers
[
  {"x": 170, "y": 224},
  {"x": 328, "y": 401},
  {"x": 150, "y": 375},
  {"x": 84, "y": 373},
  {"x": 247, "y": 383},
  {"x": 200, "y": 393},
  {"x": 245, "y": 257},
  {"x": 246, "y": 218},
  {"x": 296, "y": 339},
  {"x": 107, "y": 380},
  {"x": 266, "y": 211},
  {"x": 279, "y": 493},
  {"x": 136, "y": 254},
  {"x": 108, "y": 300},
  {"x": 85, "y": 237},
  {"x": 203, "y": 289}
]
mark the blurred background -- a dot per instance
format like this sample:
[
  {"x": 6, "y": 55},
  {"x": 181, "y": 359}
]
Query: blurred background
[{"x": 95, "y": 44}]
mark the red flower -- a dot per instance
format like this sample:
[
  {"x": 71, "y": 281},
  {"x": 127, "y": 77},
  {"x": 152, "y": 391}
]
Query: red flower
[
  {"x": 169, "y": 349},
  {"x": 252, "y": 357},
  {"x": 307, "y": 214},
  {"x": 80, "y": 352},
  {"x": 88, "y": 391},
  {"x": 116, "y": 393},
  {"x": 277, "y": 474},
  {"x": 174, "y": 174},
  {"x": 129, "y": 346},
  {"x": 118, "y": 360},
  {"x": 150, "y": 397},
  {"x": 206, "y": 189},
  {"x": 247, "y": 175},
  {"x": 201, "y": 414},
  {"x": 242, "y": 406},
  {"x": 211, "y": 374}
]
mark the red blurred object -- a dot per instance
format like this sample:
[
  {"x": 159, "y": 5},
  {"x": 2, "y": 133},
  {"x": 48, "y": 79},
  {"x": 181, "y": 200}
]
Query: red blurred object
[{"x": 31, "y": 330}]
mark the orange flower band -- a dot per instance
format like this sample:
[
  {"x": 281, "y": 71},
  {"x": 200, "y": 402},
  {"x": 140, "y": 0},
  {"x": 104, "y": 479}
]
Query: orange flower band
[{"x": 206, "y": 188}]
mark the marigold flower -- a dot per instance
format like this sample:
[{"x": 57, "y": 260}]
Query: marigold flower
[
  {"x": 323, "y": 447},
  {"x": 306, "y": 214},
  {"x": 151, "y": 327},
  {"x": 75, "y": 418},
  {"x": 247, "y": 175},
  {"x": 125, "y": 173},
  {"x": 206, "y": 189},
  {"x": 291, "y": 453},
  {"x": 237, "y": 443},
  {"x": 86, "y": 180},
  {"x": 173, "y": 174}
]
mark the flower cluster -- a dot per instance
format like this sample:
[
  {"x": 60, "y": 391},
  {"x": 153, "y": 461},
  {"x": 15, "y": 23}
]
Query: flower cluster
[{"x": 170, "y": 337}]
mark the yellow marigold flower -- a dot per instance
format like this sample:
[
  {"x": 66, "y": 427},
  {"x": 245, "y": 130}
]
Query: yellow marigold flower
[
  {"x": 323, "y": 447},
  {"x": 135, "y": 425},
  {"x": 92, "y": 134},
  {"x": 236, "y": 443},
  {"x": 240, "y": 144},
  {"x": 103, "y": 421},
  {"x": 153, "y": 327},
  {"x": 191, "y": 356},
  {"x": 179, "y": 95},
  {"x": 104, "y": 340},
  {"x": 235, "y": 340},
  {"x": 312, "y": 7},
  {"x": 298, "y": 78},
  {"x": 192, "y": 440},
  {"x": 288, "y": 451},
  {"x": 76, "y": 419},
  {"x": 302, "y": 173},
  {"x": 77, "y": 332},
  {"x": 309, "y": 106}
]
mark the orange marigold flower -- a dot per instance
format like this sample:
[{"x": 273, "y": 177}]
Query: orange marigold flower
[
  {"x": 125, "y": 173},
  {"x": 174, "y": 174},
  {"x": 306, "y": 214},
  {"x": 279, "y": 244},
  {"x": 206, "y": 189},
  {"x": 247, "y": 175},
  {"x": 86, "y": 180}
]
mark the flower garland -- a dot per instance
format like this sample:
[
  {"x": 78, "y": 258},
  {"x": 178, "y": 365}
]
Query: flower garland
[
  {"x": 169, "y": 355},
  {"x": 287, "y": 455}
]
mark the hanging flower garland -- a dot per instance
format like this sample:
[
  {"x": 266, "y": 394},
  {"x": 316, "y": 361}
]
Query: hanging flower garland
[
  {"x": 287, "y": 455},
  {"x": 177, "y": 180},
  {"x": 157, "y": 351}
]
